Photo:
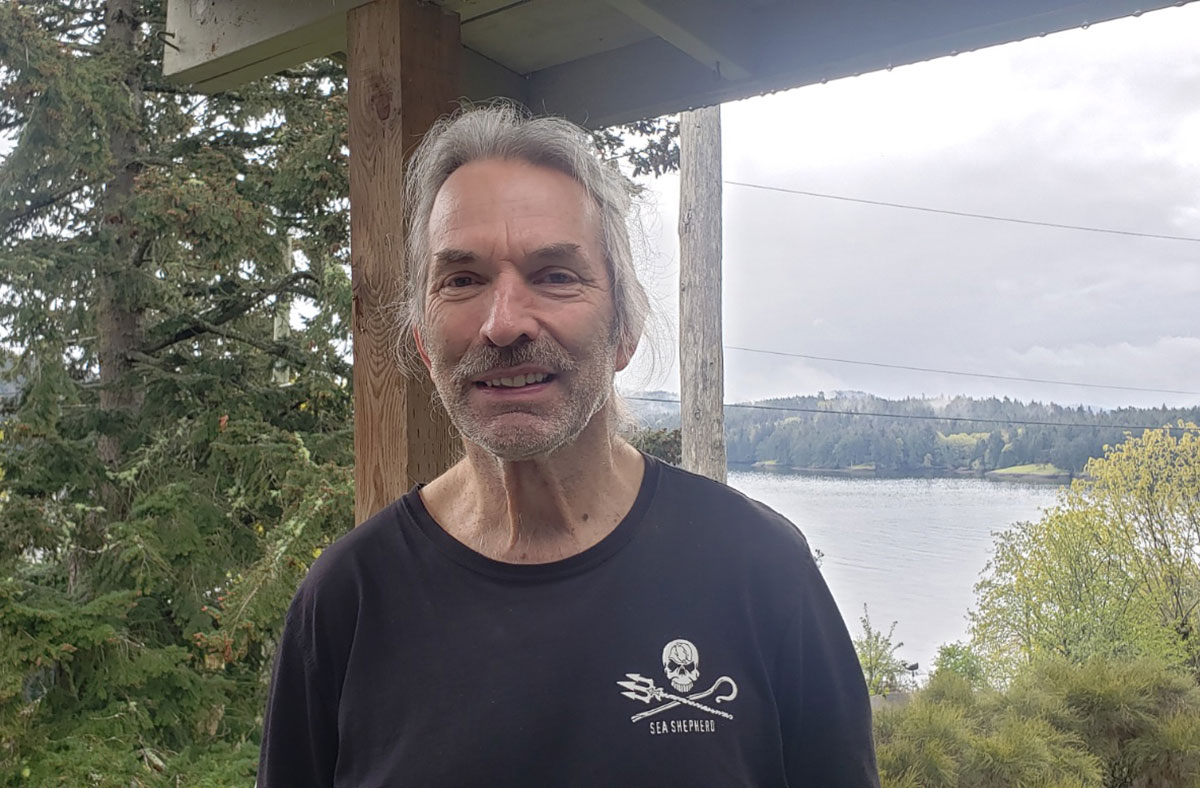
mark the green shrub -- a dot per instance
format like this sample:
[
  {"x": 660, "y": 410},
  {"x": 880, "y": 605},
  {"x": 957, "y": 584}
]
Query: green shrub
[
  {"x": 1103, "y": 724},
  {"x": 884, "y": 671}
]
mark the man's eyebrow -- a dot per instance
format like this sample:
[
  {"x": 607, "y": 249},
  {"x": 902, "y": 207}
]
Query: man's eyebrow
[
  {"x": 556, "y": 252},
  {"x": 564, "y": 251},
  {"x": 445, "y": 257}
]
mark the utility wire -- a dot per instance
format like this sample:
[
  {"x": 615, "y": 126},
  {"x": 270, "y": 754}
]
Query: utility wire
[
  {"x": 966, "y": 214},
  {"x": 988, "y": 217},
  {"x": 943, "y": 211},
  {"x": 963, "y": 374},
  {"x": 922, "y": 417}
]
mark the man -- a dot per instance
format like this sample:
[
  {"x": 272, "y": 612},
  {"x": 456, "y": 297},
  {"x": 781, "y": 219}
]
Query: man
[{"x": 557, "y": 609}]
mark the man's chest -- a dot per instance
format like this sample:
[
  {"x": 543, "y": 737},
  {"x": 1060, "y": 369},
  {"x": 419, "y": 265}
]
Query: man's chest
[{"x": 579, "y": 685}]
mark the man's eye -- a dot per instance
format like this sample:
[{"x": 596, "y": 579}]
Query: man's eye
[
  {"x": 557, "y": 278},
  {"x": 462, "y": 280}
]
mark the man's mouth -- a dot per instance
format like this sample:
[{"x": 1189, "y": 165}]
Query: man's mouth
[{"x": 515, "y": 382}]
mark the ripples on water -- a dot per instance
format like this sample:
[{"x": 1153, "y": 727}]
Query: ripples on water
[{"x": 911, "y": 549}]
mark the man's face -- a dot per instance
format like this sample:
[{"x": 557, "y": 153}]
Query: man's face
[{"x": 518, "y": 331}]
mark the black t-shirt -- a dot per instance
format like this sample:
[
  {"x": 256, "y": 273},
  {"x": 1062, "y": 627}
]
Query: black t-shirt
[{"x": 695, "y": 645}]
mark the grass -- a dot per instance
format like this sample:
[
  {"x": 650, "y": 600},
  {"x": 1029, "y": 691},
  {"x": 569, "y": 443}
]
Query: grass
[
  {"x": 1037, "y": 469},
  {"x": 963, "y": 439}
]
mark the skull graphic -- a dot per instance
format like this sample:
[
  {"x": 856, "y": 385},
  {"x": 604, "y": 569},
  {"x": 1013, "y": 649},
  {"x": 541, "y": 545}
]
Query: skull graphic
[{"x": 681, "y": 661}]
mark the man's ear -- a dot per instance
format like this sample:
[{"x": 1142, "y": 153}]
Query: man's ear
[
  {"x": 421, "y": 348},
  {"x": 625, "y": 353}
]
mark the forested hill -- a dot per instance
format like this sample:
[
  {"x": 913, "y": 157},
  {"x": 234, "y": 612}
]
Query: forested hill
[{"x": 812, "y": 432}]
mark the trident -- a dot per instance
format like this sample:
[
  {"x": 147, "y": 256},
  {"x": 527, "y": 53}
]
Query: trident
[{"x": 641, "y": 688}]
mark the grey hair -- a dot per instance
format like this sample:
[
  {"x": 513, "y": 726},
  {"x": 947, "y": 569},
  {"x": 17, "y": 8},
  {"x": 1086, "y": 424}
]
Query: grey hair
[{"x": 502, "y": 130}]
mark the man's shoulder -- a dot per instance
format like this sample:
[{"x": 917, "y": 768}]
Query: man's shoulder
[
  {"x": 721, "y": 513},
  {"x": 341, "y": 568}
]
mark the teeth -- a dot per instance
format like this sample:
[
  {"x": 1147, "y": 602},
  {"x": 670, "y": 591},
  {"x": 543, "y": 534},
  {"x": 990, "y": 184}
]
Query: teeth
[{"x": 518, "y": 381}]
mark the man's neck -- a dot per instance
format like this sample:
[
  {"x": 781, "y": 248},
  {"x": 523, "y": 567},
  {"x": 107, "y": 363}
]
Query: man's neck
[{"x": 543, "y": 509}]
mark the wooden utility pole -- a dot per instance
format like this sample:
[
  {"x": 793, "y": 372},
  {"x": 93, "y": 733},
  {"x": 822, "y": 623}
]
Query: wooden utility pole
[
  {"x": 403, "y": 65},
  {"x": 701, "y": 355}
]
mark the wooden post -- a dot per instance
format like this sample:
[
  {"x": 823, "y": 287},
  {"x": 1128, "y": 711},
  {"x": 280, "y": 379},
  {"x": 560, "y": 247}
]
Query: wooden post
[
  {"x": 403, "y": 74},
  {"x": 701, "y": 355},
  {"x": 281, "y": 374}
]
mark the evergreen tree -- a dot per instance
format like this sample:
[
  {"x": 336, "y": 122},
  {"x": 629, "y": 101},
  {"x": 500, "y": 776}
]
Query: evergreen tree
[
  {"x": 173, "y": 458},
  {"x": 175, "y": 303},
  {"x": 1106, "y": 723}
]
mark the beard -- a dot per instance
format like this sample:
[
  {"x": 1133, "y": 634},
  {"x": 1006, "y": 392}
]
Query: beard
[{"x": 521, "y": 431}]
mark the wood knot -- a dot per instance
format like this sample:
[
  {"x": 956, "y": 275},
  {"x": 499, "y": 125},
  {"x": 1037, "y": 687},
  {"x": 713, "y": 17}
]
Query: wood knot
[{"x": 381, "y": 102}]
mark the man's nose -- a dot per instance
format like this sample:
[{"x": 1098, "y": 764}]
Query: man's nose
[{"x": 510, "y": 313}]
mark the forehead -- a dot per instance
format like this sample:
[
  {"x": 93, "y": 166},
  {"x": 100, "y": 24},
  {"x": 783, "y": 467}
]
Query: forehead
[{"x": 506, "y": 206}]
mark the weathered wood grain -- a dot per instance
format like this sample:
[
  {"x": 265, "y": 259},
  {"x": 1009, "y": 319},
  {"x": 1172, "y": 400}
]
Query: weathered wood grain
[
  {"x": 403, "y": 66},
  {"x": 701, "y": 356}
]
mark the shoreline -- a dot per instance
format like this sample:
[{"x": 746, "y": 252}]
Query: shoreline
[{"x": 921, "y": 473}]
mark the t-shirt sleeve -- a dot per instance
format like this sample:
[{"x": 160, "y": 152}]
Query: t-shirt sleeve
[
  {"x": 300, "y": 735},
  {"x": 825, "y": 713}
]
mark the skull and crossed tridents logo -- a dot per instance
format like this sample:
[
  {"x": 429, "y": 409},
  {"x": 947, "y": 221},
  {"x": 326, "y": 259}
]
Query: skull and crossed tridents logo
[{"x": 681, "y": 664}]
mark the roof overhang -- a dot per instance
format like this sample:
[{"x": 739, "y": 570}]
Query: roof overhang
[{"x": 602, "y": 62}]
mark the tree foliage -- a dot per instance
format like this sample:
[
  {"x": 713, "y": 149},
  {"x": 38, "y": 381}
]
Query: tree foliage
[
  {"x": 884, "y": 672},
  {"x": 918, "y": 442},
  {"x": 649, "y": 146},
  {"x": 1112, "y": 570},
  {"x": 667, "y": 445},
  {"x": 175, "y": 303},
  {"x": 963, "y": 661},
  {"x": 171, "y": 461}
]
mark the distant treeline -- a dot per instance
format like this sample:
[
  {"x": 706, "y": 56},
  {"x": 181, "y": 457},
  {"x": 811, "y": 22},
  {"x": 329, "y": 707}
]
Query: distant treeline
[{"x": 807, "y": 439}]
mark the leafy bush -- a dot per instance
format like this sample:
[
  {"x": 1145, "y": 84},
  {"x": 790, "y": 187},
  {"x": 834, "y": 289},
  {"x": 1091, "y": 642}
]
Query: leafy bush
[
  {"x": 884, "y": 671},
  {"x": 962, "y": 660}
]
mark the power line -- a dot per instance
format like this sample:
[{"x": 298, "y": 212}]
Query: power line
[
  {"x": 966, "y": 214},
  {"x": 960, "y": 373},
  {"x": 944, "y": 211},
  {"x": 923, "y": 417}
]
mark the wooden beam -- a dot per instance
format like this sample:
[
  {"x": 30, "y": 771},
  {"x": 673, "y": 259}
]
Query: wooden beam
[
  {"x": 403, "y": 65},
  {"x": 593, "y": 63},
  {"x": 217, "y": 46},
  {"x": 701, "y": 354},
  {"x": 530, "y": 36},
  {"x": 683, "y": 27}
]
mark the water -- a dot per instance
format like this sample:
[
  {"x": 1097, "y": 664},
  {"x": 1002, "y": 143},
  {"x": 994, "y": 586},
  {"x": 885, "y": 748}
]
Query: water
[{"x": 910, "y": 549}]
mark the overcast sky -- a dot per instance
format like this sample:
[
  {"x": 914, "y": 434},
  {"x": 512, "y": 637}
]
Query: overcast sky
[{"x": 1097, "y": 127}]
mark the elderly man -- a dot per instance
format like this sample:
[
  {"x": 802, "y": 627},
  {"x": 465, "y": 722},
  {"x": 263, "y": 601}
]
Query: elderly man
[{"x": 557, "y": 609}]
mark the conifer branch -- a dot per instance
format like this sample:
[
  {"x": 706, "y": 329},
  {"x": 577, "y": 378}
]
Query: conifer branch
[
  {"x": 331, "y": 70},
  {"x": 179, "y": 90},
  {"x": 40, "y": 202},
  {"x": 277, "y": 349},
  {"x": 66, "y": 8},
  {"x": 230, "y": 310},
  {"x": 68, "y": 28},
  {"x": 139, "y": 254}
]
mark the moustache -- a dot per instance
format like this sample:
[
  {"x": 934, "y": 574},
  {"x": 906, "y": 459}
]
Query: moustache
[{"x": 543, "y": 352}]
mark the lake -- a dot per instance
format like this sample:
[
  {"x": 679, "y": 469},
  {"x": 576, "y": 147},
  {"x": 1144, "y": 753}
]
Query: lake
[{"x": 910, "y": 549}]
